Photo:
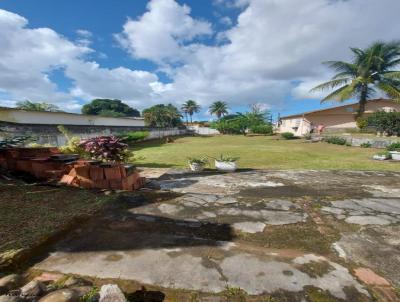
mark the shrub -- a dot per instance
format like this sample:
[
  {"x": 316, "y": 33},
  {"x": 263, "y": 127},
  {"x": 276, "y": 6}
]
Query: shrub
[
  {"x": 336, "y": 140},
  {"x": 385, "y": 122},
  {"x": 73, "y": 146},
  {"x": 393, "y": 147},
  {"x": 201, "y": 160},
  {"x": 362, "y": 123},
  {"x": 227, "y": 158},
  {"x": 366, "y": 145},
  {"x": 287, "y": 135},
  {"x": 73, "y": 143},
  {"x": 105, "y": 148},
  {"x": 265, "y": 129},
  {"x": 133, "y": 136}
]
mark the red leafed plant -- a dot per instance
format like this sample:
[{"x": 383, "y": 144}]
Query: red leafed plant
[{"x": 105, "y": 148}]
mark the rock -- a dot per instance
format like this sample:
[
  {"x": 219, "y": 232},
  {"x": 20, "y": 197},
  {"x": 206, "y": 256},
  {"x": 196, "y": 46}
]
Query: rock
[
  {"x": 74, "y": 281},
  {"x": 10, "y": 282},
  {"x": 7, "y": 298},
  {"x": 49, "y": 277},
  {"x": 67, "y": 294},
  {"x": 33, "y": 289},
  {"x": 249, "y": 227},
  {"x": 111, "y": 293},
  {"x": 367, "y": 276}
]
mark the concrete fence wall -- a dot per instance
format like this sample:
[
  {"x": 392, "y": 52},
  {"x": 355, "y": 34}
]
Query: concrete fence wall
[{"x": 49, "y": 134}]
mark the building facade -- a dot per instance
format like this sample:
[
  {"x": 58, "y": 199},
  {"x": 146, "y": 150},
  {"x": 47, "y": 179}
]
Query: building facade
[{"x": 332, "y": 119}]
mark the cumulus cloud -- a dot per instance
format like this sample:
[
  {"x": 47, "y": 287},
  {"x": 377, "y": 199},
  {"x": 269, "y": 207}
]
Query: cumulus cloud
[
  {"x": 272, "y": 52},
  {"x": 28, "y": 55},
  {"x": 161, "y": 33}
]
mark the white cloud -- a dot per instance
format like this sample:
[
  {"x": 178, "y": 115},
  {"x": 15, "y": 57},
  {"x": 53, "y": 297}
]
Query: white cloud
[
  {"x": 161, "y": 33},
  {"x": 84, "y": 33},
  {"x": 274, "y": 46},
  {"x": 273, "y": 51},
  {"x": 91, "y": 81},
  {"x": 28, "y": 55}
]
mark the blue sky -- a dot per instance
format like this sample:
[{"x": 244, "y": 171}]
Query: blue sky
[{"x": 160, "y": 51}]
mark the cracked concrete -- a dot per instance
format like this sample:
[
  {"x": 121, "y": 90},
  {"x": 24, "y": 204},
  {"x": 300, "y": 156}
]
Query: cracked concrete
[{"x": 235, "y": 230}]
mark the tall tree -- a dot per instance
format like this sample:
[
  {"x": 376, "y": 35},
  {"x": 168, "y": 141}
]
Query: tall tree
[
  {"x": 371, "y": 69},
  {"x": 28, "y": 105},
  {"x": 190, "y": 107},
  {"x": 162, "y": 116},
  {"x": 107, "y": 107},
  {"x": 218, "y": 108}
]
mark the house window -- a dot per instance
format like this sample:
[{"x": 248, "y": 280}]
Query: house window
[{"x": 350, "y": 109}]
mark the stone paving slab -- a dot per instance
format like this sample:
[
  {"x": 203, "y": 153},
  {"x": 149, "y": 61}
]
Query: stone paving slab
[{"x": 211, "y": 235}]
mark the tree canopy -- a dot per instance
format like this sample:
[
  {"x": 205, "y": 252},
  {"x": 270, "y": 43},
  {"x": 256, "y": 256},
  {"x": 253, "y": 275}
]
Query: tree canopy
[
  {"x": 218, "y": 108},
  {"x": 189, "y": 108},
  {"x": 111, "y": 108},
  {"x": 371, "y": 69},
  {"x": 43, "y": 106},
  {"x": 162, "y": 116}
]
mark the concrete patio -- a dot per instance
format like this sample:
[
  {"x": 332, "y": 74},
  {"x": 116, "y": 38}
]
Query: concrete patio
[{"x": 262, "y": 231}]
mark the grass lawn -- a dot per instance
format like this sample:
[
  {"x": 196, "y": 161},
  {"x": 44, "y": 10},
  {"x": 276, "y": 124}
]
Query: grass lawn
[
  {"x": 30, "y": 214},
  {"x": 260, "y": 152}
]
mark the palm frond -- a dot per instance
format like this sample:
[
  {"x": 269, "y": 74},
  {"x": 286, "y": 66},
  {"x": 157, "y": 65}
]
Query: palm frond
[
  {"x": 330, "y": 84},
  {"x": 340, "y": 94},
  {"x": 390, "y": 90}
]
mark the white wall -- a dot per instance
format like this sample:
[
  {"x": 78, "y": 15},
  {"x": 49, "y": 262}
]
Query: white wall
[
  {"x": 62, "y": 118},
  {"x": 203, "y": 130}
]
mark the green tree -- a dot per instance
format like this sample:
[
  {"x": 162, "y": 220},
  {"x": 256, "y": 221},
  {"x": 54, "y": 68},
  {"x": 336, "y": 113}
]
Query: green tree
[
  {"x": 162, "y": 116},
  {"x": 107, "y": 107},
  {"x": 218, "y": 108},
  {"x": 371, "y": 69},
  {"x": 28, "y": 105},
  {"x": 189, "y": 108}
]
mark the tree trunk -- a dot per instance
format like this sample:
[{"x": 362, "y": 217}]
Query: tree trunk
[
  {"x": 191, "y": 119},
  {"x": 363, "y": 101}
]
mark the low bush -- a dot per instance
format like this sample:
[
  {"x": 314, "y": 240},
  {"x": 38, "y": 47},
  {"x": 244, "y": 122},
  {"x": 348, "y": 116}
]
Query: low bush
[
  {"x": 385, "y": 122},
  {"x": 265, "y": 129},
  {"x": 133, "y": 136},
  {"x": 105, "y": 148},
  {"x": 288, "y": 135},
  {"x": 393, "y": 147},
  {"x": 362, "y": 123},
  {"x": 198, "y": 160},
  {"x": 227, "y": 158},
  {"x": 366, "y": 145},
  {"x": 336, "y": 140}
]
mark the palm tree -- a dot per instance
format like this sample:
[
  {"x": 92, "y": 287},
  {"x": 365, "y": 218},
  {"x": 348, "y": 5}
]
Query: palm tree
[
  {"x": 28, "y": 105},
  {"x": 370, "y": 70},
  {"x": 218, "y": 108},
  {"x": 189, "y": 108}
]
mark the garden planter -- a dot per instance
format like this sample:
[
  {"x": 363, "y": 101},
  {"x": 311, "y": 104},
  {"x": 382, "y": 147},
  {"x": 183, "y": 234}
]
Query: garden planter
[
  {"x": 195, "y": 167},
  {"x": 225, "y": 166},
  {"x": 381, "y": 157},
  {"x": 395, "y": 155}
]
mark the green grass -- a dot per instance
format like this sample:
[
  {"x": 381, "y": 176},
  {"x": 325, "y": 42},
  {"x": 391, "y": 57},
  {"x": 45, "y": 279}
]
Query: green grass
[
  {"x": 31, "y": 214},
  {"x": 260, "y": 152}
]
